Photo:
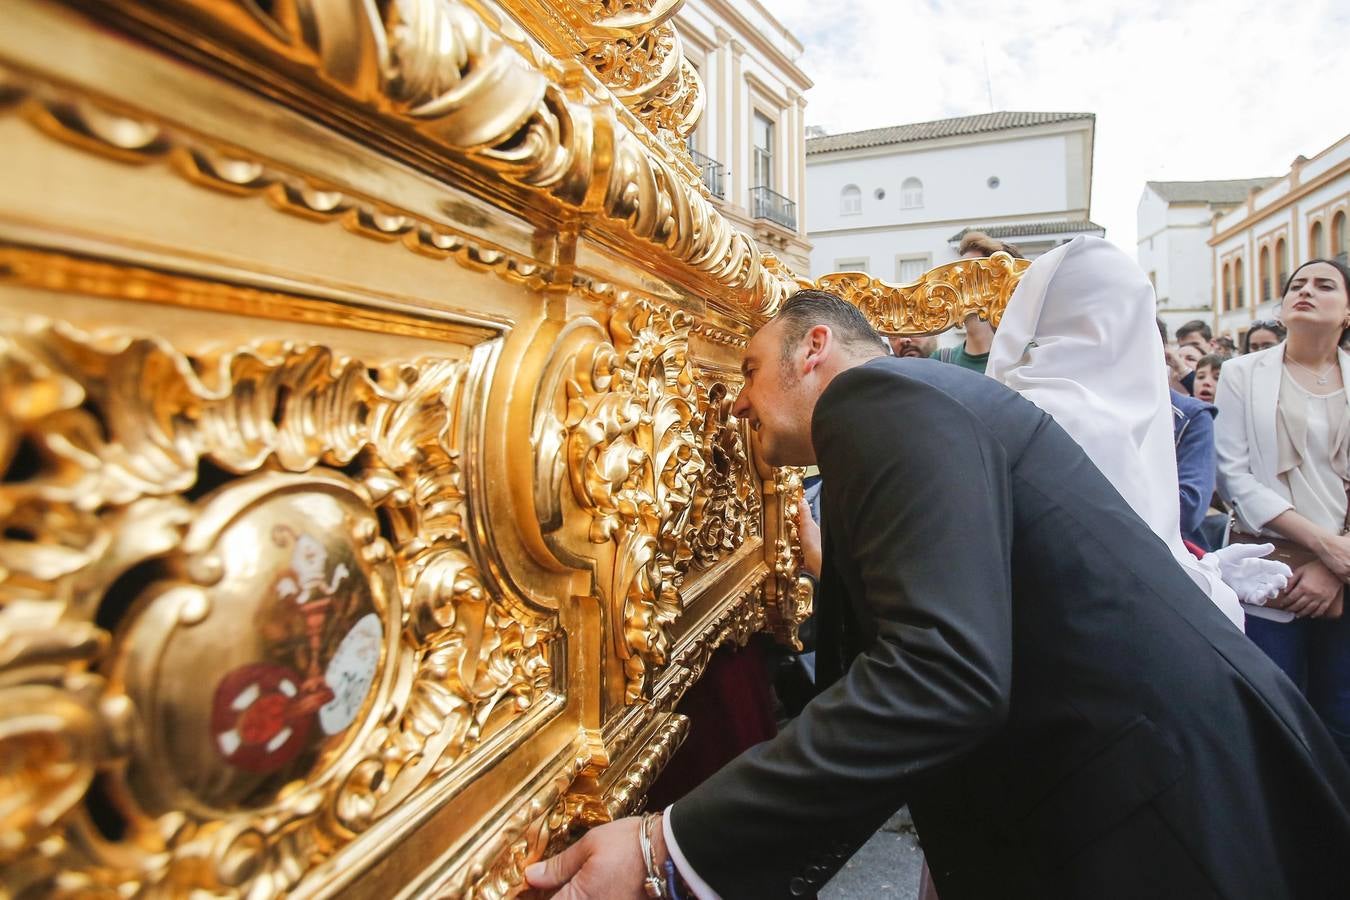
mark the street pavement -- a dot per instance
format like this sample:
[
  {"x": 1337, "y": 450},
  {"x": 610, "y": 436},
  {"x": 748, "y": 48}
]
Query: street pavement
[{"x": 887, "y": 866}]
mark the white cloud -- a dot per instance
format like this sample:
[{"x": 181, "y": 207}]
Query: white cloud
[{"x": 1191, "y": 90}]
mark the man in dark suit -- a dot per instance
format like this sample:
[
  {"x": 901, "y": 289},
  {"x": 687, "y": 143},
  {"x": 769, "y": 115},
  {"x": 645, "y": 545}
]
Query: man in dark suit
[{"x": 1009, "y": 650}]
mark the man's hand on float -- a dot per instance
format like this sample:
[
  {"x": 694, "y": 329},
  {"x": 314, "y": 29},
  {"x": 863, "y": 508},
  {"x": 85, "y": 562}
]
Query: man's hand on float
[
  {"x": 808, "y": 532},
  {"x": 606, "y": 862}
]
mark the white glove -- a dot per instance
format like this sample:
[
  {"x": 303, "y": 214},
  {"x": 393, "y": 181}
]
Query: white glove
[{"x": 1255, "y": 580}]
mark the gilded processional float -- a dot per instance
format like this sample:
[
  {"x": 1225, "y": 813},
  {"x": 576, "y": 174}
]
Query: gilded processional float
[{"x": 371, "y": 493}]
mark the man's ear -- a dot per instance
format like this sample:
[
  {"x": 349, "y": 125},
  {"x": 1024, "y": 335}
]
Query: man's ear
[{"x": 818, "y": 343}]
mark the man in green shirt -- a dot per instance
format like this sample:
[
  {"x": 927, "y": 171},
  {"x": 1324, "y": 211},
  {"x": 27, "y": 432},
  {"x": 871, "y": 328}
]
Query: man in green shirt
[{"x": 973, "y": 352}]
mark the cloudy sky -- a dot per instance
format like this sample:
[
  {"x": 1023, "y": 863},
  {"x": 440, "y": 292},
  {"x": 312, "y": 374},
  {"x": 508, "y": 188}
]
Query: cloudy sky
[{"x": 1188, "y": 90}]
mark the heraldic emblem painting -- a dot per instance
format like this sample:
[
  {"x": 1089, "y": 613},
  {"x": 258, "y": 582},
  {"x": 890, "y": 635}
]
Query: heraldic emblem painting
[{"x": 370, "y": 490}]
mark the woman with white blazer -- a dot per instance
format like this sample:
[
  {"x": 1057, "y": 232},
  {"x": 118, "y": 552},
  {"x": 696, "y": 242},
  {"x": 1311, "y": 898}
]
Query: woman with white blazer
[{"x": 1283, "y": 442}]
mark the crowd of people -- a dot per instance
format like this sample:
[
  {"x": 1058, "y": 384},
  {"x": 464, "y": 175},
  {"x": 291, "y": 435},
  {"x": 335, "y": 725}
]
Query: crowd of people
[
  {"x": 1262, "y": 454},
  {"x": 1031, "y": 591}
]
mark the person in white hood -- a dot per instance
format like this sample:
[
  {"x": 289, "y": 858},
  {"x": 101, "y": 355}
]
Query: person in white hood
[{"x": 1079, "y": 339}]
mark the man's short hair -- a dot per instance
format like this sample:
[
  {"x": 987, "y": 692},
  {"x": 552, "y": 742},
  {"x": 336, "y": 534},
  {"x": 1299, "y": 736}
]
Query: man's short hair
[
  {"x": 1213, "y": 360},
  {"x": 1195, "y": 326},
  {"x": 805, "y": 310},
  {"x": 973, "y": 241}
]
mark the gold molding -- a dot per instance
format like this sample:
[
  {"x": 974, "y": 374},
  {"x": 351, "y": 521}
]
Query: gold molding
[
  {"x": 66, "y": 274},
  {"x": 83, "y": 124},
  {"x": 463, "y": 82},
  {"x": 944, "y": 297}
]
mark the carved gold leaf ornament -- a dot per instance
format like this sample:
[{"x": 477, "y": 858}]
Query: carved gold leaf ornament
[
  {"x": 240, "y": 175},
  {"x": 629, "y": 404},
  {"x": 255, "y": 628},
  {"x": 471, "y": 84},
  {"x": 943, "y": 298},
  {"x": 326, "y": 704}
]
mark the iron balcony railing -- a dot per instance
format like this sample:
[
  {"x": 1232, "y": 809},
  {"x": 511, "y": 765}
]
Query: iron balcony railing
[
  {"x": 713, "y": 173},
  {"x": 769, "y": 204}
]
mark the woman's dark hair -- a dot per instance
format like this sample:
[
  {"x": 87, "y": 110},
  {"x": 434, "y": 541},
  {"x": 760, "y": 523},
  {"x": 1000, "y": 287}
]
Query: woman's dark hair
[
  {"x": 1345, "y": 283},
  {"x": 1271, "y": 325}
]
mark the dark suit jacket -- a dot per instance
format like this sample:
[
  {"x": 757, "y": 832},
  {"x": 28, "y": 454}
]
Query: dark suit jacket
[{"x": 1021, "y": 660}]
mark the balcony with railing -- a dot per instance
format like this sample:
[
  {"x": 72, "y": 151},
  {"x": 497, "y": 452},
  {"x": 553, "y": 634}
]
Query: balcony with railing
[
  {"x": 713, "y": 173},
  {"x": 766, "y": 203}
]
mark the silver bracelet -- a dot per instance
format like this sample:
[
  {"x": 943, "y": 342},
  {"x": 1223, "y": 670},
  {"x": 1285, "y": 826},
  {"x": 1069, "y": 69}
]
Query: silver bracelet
[{"x": 653, "y": 885}]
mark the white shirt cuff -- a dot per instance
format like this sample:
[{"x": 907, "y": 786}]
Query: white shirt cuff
[{"x": 696, "y": 884}]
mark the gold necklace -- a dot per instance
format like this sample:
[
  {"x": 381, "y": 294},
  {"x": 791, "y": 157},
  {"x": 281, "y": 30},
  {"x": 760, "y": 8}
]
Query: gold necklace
[{"x": 1322, "y": 377}]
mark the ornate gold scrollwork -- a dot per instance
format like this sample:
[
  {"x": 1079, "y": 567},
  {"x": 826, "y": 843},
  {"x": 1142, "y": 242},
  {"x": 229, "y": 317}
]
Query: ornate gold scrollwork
[
  {"x": 648, "y": 73},
  {"x": 252, "y": 630},
  {"x": 725, "y": 507},
  {"x": 84, "y": 124},
  {"x": 270, "y": 512},
  {"x": 655, "y": 461},
  {"x": 790, "y": 595},
  {"x": 944, "y": 297},
  {"x": 619, "y": 425},
  {"x": 473, "y": 86}
]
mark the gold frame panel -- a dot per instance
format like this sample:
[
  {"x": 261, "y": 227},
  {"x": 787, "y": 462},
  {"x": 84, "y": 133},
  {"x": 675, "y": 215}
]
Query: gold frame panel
[{"x": 371, "y": 494}]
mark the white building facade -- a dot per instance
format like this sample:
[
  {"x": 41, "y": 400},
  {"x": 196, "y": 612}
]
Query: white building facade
[
  {"x": 894, "y": 202},
  {"x": 1176, "y": 221},
  {"x": 1256, "y": 246},
  {"x": 750, "y": 143}
]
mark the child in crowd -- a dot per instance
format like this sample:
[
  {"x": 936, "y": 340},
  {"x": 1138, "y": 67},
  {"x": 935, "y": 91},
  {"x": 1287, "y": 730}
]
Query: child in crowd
[{"x": 1207, "y": 377}]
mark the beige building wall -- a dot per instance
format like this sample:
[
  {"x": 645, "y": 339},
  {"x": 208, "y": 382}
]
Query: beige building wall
[
  {"x": 749, "y": 65},
  {"x": 1301, "y": 216}
]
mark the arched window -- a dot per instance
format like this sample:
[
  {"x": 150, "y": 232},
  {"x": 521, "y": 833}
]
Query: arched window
[
  {"x": 911, "y": 194},
  {"x": 1227, "y": 287},
  {"x": 1263, "y": 276},
  {"x": 1339, "y": 244},
  {"x": 850, "y": 200},
  {"x": 1281, "y": 264},
  {"x": 1315, "y": 245},
  {"x": 1239, "y": 284}
]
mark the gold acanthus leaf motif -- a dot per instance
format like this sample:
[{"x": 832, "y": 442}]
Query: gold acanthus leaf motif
[
  {"x": 627, "y": 65},
  {"x": 101, "y": 436},
  {"x": 725, "y": 507},
  {"x": 944, "y": 297},
  {"x": 609, "y": 9},
  {"x": 633, "y": 465},
  {"x": 442, "y": 69}
]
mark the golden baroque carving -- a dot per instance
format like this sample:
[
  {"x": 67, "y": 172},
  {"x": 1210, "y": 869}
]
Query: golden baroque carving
[
  {"x": 601, "y": 10},
  {"x": 469, "y": 84},
  {"x": 725, "y": 507},
  {"x": 495, "y": 869},
  {"x": 616, "y": 421},
  {"x": 627, "y": 794},
  {"x": 648, "y": 73},
  {"x": 716, "y": 335},
  {"x": 944, "y": 297},
  {"x": 650, "y": 453},
  {"x": 294, "y": 517},
  {"x": 141, "y": 141},
  {"x": 738, "y": 622},
  {"x": 791, "y": 595},
  {"x": 628, "y": 64}
]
